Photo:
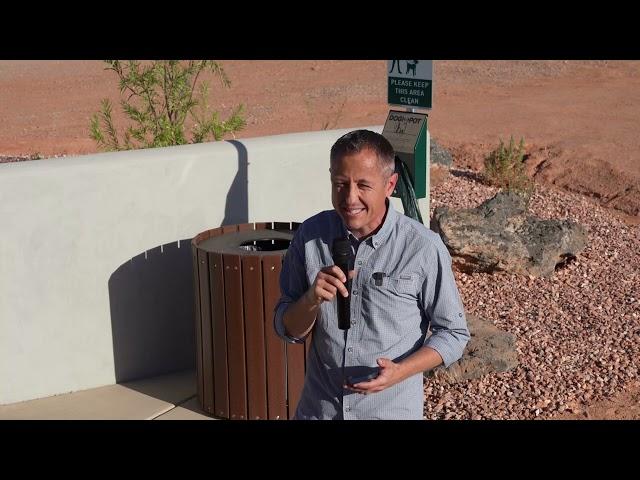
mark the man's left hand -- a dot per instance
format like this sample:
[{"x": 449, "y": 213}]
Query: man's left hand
[{"x": 390, "y": 374}]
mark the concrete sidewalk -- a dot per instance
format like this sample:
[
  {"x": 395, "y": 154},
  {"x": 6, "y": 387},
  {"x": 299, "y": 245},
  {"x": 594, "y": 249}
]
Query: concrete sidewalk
[{"x": 167, "y": 397}]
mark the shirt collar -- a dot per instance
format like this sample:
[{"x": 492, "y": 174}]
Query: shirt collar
[{"x": 381, "y": 235}]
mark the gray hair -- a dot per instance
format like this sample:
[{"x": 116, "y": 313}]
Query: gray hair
[{"x": 358, "y": 140}]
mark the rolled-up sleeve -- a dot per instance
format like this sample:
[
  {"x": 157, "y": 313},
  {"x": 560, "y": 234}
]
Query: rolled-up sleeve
[
  {"x": 443, "y": 306},
  {"x": 293, "y": 284}
]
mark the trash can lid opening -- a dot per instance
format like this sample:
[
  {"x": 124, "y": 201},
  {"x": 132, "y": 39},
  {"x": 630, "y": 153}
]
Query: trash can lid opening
[{"x": 265, "y": 244}]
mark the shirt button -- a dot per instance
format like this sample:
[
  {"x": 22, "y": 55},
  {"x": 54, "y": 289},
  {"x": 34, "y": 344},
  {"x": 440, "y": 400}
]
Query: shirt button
[
  {"x": 353, "y": 322},
  {"x": 347, "y": 409},
  {"x": 355, "y": 292},
  {"x": 359, "y": 262},
  {"x": 350, "y": 349}
]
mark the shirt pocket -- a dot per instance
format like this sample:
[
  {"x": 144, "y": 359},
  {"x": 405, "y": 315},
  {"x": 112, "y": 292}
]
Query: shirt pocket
[{"x": 403, "y": 285}]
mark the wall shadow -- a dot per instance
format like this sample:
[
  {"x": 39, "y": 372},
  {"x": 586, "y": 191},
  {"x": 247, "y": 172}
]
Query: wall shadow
[
  {"x": 236, "y": 208},
  {"x": 151, "y": 298}
]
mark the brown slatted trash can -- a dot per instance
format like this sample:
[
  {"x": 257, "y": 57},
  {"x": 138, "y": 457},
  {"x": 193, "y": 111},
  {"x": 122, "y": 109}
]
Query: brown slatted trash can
[{"x": 245, "y": 371}]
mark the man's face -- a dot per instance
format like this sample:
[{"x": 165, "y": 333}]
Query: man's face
[{"x": 359, "y": 190}]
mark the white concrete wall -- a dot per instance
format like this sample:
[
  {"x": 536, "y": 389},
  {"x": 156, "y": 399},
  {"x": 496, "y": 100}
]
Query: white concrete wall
[{"x": 67, "y": 224}]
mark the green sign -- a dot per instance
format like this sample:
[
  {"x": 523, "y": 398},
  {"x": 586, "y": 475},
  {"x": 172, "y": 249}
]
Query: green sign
[{"x": 410, "y": 83}]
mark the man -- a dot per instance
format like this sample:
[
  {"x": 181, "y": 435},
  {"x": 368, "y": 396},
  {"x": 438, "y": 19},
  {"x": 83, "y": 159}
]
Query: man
[{"x": 402, "y": 282}]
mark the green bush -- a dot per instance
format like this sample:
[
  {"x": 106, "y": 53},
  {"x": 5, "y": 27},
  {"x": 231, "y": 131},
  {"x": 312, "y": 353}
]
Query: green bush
[
  {"x": 159, "y": 97},
  {"x": 504, "y": 167}
]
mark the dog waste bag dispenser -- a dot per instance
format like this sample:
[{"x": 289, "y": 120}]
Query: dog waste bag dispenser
[{"x": 407, "y": 133}]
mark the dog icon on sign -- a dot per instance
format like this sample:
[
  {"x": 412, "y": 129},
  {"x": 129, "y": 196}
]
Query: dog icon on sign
[{"x": 411, "y": 66}]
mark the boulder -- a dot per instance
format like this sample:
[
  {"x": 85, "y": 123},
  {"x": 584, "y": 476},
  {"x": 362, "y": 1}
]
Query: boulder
[
  {"x": 490, "y": 350},
  {"x": 439, "y": 155},
  {"x": 499, "y": 235}
]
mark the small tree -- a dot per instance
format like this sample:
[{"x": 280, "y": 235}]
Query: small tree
[
  {"x": 160, "y": 96},
  {"x": 504, "y": 167}
]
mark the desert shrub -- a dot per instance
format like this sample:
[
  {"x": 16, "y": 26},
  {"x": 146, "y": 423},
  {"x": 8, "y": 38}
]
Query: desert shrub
[
  {"x": 160, "y": 98},
  {"x": 504, "y": 168}
]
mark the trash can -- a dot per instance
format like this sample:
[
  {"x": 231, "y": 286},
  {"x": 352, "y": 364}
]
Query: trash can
[{"x": 244, "y": 370}]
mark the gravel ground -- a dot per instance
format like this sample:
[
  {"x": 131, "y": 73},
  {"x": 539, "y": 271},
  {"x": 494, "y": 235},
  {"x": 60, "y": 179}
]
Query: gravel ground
[
  {"x": 577, "y": 333},
  {"x": 24, "y": 158},
  {"x": 16, "y": 158}
]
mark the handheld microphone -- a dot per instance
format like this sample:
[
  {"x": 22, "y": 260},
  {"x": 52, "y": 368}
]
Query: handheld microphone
[{"x": 341, "y": 252}]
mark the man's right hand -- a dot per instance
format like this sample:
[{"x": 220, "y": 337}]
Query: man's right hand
[
  {"x": 328, "y": 282},
  {"x": 300, "y": 317}
]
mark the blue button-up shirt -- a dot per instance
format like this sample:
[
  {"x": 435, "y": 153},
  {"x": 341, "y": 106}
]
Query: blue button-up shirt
[{"x": 390, "y": 314}]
